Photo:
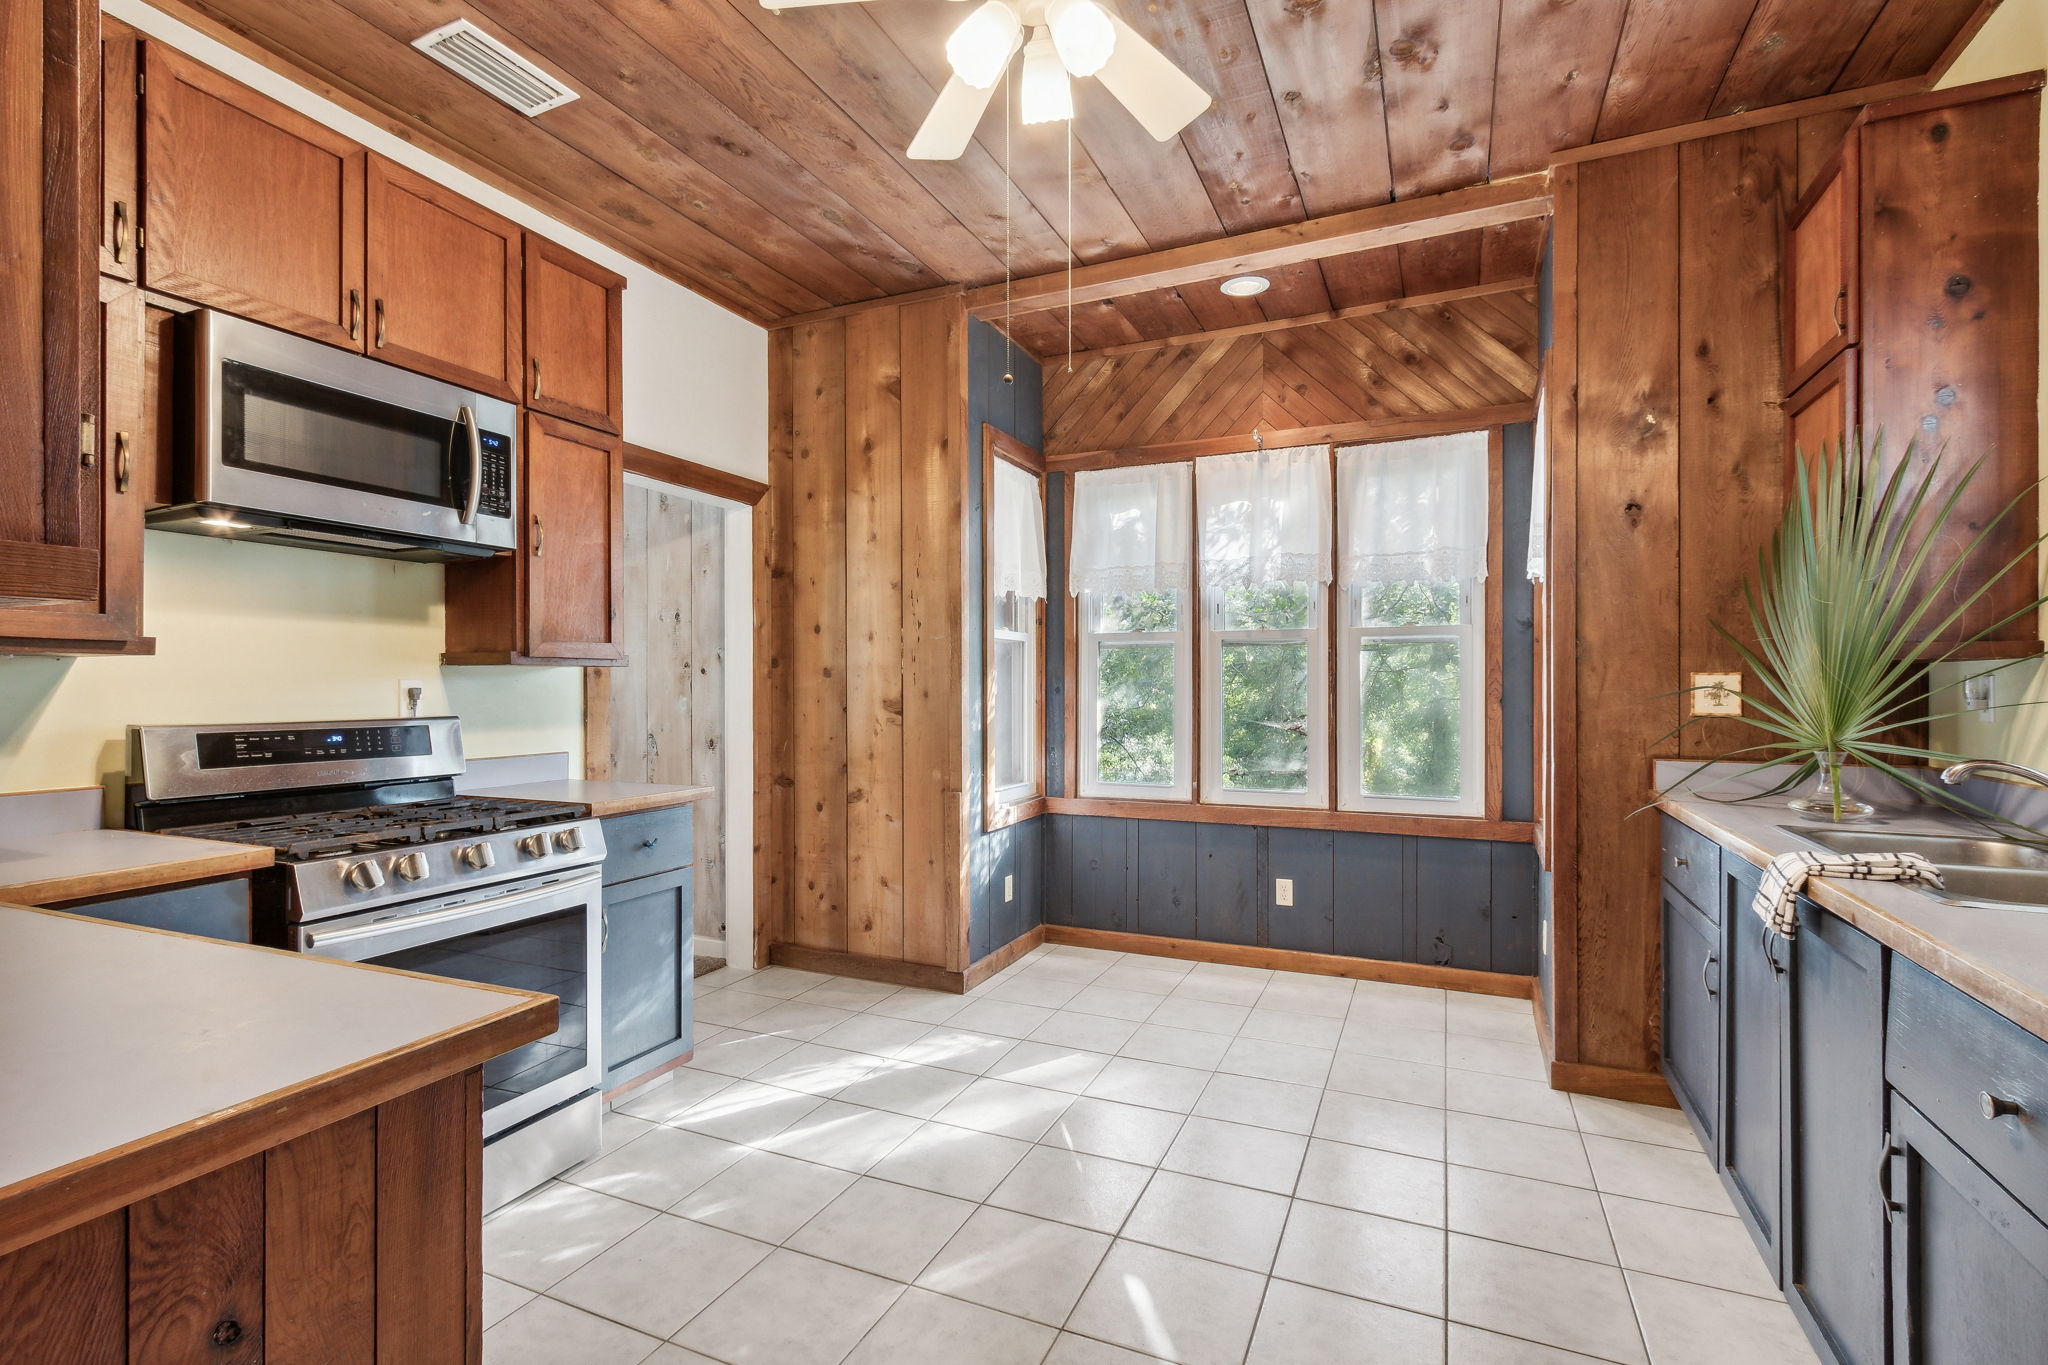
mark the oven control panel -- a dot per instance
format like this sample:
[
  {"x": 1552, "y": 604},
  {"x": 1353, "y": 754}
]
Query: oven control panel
[
  {"x": 261, "y": 748},
  {"x": 495, "y": 498}
]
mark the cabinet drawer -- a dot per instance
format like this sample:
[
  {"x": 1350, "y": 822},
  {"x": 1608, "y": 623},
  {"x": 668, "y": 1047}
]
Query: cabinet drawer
[
  {"x": 645, "y": 843},
  {"x": 1692, "y": 864},
  {"x": 1947, "y": 1053}
]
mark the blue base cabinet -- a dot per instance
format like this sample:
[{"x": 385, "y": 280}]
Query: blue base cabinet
[
  {"x": 1753, "y": 1067},
  {"x": 649, "y": 942}
]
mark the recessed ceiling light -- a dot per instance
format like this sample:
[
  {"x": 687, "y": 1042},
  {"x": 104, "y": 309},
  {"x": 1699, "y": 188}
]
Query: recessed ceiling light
[{"x": 1244, "y": 286}]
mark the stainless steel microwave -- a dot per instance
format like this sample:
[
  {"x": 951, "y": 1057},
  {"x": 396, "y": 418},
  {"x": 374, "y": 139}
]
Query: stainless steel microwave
[{"x": 289, "y": 441}]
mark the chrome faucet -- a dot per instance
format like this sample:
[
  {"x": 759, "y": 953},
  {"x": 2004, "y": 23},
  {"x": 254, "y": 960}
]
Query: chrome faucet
[{"x": 1956, "y": 772}]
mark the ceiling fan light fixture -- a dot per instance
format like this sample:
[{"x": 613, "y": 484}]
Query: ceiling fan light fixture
[
  {"x": 1048, "y": 95},
  {"x": 1082, "y": 33},
  {"x": 1245, "y": 286},
  {"x": 980, "y": 48}
]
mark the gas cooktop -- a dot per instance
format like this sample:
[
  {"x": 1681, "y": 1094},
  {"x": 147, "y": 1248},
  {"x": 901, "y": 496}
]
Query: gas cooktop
[{"x": 306, "y": 836}]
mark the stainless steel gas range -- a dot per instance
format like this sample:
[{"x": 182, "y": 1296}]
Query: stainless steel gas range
[{"x": 378, "y": 860}]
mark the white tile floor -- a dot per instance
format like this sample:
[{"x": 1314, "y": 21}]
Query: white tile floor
[{"x": 1101, "y": 1159}]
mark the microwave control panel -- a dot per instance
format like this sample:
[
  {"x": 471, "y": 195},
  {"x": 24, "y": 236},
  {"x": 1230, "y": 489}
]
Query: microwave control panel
[{"x": 496, "y": 498}]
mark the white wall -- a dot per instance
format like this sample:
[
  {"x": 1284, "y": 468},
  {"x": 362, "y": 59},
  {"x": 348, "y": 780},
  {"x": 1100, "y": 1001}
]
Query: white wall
[{"x": 266, "y": 633}]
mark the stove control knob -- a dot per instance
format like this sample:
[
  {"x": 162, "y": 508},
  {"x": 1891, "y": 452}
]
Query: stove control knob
[
  {"x": 568, "y": 840},
  {"x": 411, "y": 866},
  {"x": 479, "y": 856},
  {"x": 365, "y": 876},
  {"x": 533, "y": 845}
]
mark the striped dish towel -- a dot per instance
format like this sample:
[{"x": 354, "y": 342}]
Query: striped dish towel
[{"x": 1786, "y": 876}]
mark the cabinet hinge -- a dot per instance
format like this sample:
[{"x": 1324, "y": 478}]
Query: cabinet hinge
[{"x": 88, "y": 439}]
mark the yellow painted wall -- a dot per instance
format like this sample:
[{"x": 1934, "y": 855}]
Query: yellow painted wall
[
  {"x": 268, "y": 633},
  {"x": 2013, "y": 40}
]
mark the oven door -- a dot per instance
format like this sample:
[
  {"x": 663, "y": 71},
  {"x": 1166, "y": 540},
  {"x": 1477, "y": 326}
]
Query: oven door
[
  {"x": 294, "y": 429},
  {"x": 544, "y": 938}
]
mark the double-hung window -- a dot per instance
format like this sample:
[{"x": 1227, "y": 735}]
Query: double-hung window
[
  {"x": 1016, "y": 589},
  {"x": 1411, "y": 652},
  {"x": 1265, "y": 570},
  {"x": 1128, "y": 567}
]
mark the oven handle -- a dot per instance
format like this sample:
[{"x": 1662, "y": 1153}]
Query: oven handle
[
  {"x": 466, "y": 417},
  {"x": 355, "y": 944}
]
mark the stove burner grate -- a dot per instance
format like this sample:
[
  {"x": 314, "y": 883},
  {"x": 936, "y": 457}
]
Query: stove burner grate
[{"x": 367, "y": 829}]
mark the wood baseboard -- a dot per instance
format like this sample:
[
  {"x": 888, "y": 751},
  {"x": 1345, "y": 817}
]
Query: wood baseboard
[
  {"x": 1607, "y": 1082},
  {"x": 1289, "y": 960},
  {"x": 1005, "y": 955},
  {"x": 890, "y": 971}
]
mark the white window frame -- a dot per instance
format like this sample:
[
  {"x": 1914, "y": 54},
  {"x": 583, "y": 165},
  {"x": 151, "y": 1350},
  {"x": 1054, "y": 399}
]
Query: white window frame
[
  {"x": 1089, "y": 719},
  {"x": 1316, "y": 636},
  {"x": 1031, "y": 721}
]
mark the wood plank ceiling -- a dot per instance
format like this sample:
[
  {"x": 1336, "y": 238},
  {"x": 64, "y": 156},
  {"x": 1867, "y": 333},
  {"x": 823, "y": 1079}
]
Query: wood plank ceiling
[{"x": 758, "y": 157}]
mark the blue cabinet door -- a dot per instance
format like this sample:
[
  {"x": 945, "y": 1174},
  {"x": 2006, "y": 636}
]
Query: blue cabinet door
[
  {"x": 1753, "y": 1072},
  {"x": 1834, "y": 1222},
  {"x": 648, "y": 968},
  {"x": 1692, "y": 1015}
]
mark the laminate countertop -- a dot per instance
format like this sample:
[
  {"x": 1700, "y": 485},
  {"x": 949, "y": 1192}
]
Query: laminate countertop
[
  {"x": 1999, "y": 957},
  {"x": 136, "y": 1059},
  {"x": 49, "y": 869},
  {"x": 602, "y": 798}
]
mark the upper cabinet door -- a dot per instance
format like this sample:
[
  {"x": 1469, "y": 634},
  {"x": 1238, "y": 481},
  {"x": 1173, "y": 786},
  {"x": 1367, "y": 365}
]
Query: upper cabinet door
[
  {"x": 120, "y": 157},
  {"x": 443, "y": 281},
  {"x": 572, "y": 336},
  {"x": 575, "y": 528},
  {"x": 1821, "y": 305},
  {"x": 250, "y": 207}
]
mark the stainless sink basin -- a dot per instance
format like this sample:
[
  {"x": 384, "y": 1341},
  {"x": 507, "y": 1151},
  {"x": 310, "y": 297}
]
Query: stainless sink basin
[{"x": 1991, "y": 873}]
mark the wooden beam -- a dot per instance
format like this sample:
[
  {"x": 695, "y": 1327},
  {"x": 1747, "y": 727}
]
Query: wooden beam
[
  {"x": 699, "y": 478},
  {"x": 1410, "y": 220},
  {"x": 1733, "y": 123},
  {"x": 1280, "y": 324},
  {"x": 1380, "y": 429}
]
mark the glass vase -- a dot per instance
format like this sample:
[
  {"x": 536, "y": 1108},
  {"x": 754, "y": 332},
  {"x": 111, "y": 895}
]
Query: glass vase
[{"x": 1830, "y": 801}]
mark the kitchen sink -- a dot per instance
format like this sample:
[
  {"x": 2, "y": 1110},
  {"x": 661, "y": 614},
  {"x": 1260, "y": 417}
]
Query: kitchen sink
[{"x": 1982, "y": 872}]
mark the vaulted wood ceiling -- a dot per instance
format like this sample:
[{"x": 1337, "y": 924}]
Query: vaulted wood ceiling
[{"x": 758, "y": 157}]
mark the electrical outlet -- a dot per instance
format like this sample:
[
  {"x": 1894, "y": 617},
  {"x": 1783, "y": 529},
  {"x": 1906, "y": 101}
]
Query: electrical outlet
[
  {"x": 1009, "y": 888},
  {"x": 1283, "y": 891},
  {"x": 1717, "y": 694},
  {"x": 411, "y": 694},
  {"x": 1980, "y": 694}
]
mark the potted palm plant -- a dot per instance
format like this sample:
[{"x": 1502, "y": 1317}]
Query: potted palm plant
[{"x": 1843, "y": 609}]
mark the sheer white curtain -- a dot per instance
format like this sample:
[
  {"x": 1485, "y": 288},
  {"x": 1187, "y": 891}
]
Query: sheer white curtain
[
  {"x": 1413, "y": 511},
  {"x": 1016, "y": 552},
  {"x": 1539, "y": 496},
  {"x": 1265, "y": 517},
  {"x": 1130, "y": 531}
]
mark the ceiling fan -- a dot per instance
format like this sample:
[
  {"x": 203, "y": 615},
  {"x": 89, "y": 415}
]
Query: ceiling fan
[{"x": 1066, "y": 38}]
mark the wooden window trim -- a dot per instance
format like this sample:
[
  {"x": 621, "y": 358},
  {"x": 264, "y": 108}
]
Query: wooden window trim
[
  {"x": 1488, "y": 825},
  {"x": 698, "y": 478},
  {"x": 999, "y": 444}
]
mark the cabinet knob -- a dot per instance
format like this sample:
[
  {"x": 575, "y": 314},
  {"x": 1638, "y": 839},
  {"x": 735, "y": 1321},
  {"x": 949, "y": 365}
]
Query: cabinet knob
[
  {"x": 1999, "y": 1107},
  {"x": 1677, "y": 861},
  {"x": 650, "y": 843}
]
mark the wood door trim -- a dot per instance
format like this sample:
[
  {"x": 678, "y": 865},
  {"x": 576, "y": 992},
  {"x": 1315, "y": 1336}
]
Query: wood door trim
[
  {"x": 1340, "y": 433},
  {"x": 1292, "y": 960},
  {"x": 1408, "y": 220},
  {"x": 698, "y": 478}
]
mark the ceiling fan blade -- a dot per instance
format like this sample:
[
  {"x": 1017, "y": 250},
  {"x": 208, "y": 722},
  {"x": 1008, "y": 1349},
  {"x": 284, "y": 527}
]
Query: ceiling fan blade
[
  {"x": 950, "y": 126},
  {"x": 1161, "y": 96},
  {"x": 803, "y": 4}
]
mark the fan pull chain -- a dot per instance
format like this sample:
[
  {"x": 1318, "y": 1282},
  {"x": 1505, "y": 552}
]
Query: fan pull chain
[
  {"x": 1009, "y": 239},
  {"x": 1070, "y": 245}
]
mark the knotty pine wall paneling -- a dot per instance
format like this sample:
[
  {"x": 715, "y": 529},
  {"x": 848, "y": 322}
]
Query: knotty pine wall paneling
[{"x": 859, "y": 587}]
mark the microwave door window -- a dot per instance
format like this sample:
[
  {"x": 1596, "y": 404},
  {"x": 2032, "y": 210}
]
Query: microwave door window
[{"x": 278, "y": 424}]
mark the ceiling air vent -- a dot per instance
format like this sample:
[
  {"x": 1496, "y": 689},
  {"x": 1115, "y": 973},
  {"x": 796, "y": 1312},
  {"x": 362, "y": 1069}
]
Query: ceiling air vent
[{"x": 491, "y": 66}]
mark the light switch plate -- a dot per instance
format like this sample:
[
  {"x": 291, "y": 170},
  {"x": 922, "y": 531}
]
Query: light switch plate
[
  {"x": 1009, "y": 888},
  {"x": 1717, "y": 694},
  {"x": 1283, "y": 891}
]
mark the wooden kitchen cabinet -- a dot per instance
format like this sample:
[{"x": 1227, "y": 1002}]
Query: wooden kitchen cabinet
[
  {"x": 572, "y": 336},
  {"x": 120, "y": 149},
  {"x": 249, "y": 206},
  {"x": 556, "y": 600},
  {"x": 443, "y": 280},
  {"x": 1819, "y": 415},
  {"x": 1822, "y": 308}
]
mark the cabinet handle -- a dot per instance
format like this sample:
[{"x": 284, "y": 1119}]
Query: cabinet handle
[
  {"x": 536, "y": 376},
  {"x": 1842, "y": 310},
  {"x": 650, "y": 843},
  {"x": 1999, "y": 1107},
  {"x": 379, "y": 306},
  {"x": 121, "y": 462},
  {"x": 1677, "y": 861},
  {"x": 1884, "y": 1178},
  {"x": 1711, "y": 960},
  {"x": 355, "y": 315},
  {"x": 540, "y": 536},
  {"x": 1770, "y": 940},
  {"x": 88, "y": 439},
  {"x": 120, "y": 232}
]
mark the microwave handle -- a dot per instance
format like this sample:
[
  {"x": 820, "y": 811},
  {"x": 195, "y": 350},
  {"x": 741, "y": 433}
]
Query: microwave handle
[{"x": 465, "y": 417}]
